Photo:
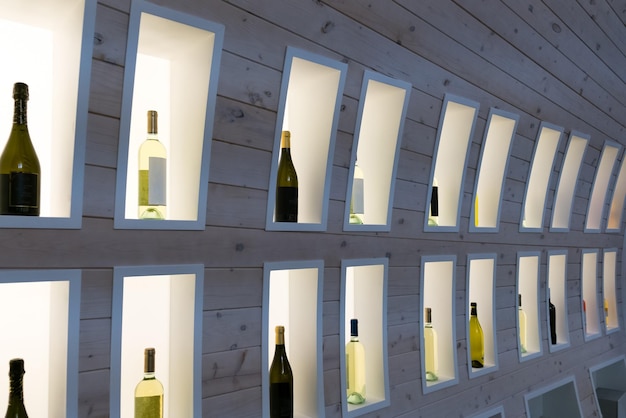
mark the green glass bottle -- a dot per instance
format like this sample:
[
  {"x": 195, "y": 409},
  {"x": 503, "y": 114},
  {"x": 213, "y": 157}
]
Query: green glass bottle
[
  {"x": 16, "y": 407},
  {"x": 281, "y": 380},
  {"x": 477, "y": 341},
  {"x": 286, "y": 183}
]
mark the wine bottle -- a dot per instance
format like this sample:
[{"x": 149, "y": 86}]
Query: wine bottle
[
  {"x": 149, "y": 391},
  {"x": 430, "y": 348},
  {"x": 357, "y": 203},
  {"x": 584, "y": 316},
  {"x": 433, "y": 218},
  {"x": 476, "y": 218},
  {"x": 606, "y": 312},
  {"x": 152, "y": 173},
  {"x": 521, "y": 316},
  {"x": 281, "y": 380},
  {"x": 20, "y": 173},
  {"x": 552, "y": 312},
  {"x": 477, "y": 342},
  {"x": 16, "y": 407},
  {"x": 355, "y": 366},
  {"x": 286, "y": 183}
]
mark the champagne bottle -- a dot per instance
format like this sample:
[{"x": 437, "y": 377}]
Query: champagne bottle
[
  {"x": 281, "y": 380},
  {"x": 477, "y": 342},
  {"x": 20, "y": 173},
  {"x": 357, "y": 203},
  {"x": 152, "y": 173},
  {"x": 521, "y": 315},
  {"x": 552, "y": 312},
  {"x": 16, "y": 407},
  {"x": 355, "y": 366},
  {"x": 286, "y": 183},
  {"x": 430, "y": 348},
  {"x": 149, "y": 391},
  {"x": 433, "y": 218}
]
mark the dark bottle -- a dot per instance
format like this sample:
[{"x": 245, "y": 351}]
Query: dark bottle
[
  {"x": 16, "y": 407},
  {"x": 20, "y": 172},
  {"x": 281, "y": 380},
  {"x": 286, "y": 183},
  {"x": 552, "y": 310}
]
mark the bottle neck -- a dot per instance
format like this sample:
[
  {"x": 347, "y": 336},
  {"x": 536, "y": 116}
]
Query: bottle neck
[
  {"x": 354, "y": 338},
  {"x": 16, "y": 390},
  {"x": 19, "y": 113},
  {"x": 473, "y": 311}
]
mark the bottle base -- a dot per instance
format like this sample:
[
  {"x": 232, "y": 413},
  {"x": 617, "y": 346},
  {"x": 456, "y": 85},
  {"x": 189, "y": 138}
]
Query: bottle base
[{"x": 356, "y": 399}]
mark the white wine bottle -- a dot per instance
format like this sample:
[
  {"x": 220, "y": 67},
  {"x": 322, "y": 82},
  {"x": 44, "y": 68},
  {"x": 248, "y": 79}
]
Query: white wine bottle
[
  {"x": 522, "y": 319},
  {"x": 20, "y": 173},
  {"x": 431, "y": 359},
  {"x": 149, "y": 391},
  {"x": 286, "y": 183},
  {"x": 477, "y": 341},
  {"x": 606, "y": 313},
  {"x": 552, "y": 313},
  {"x": 357, "y": 203},
  {"x": 355, "y": 366},
  {"x": 16, "y": 407},
  {"x": 152, "y": 173},
  {"x": 433, "y": 217},
  {"x": 281, "y": 380}
]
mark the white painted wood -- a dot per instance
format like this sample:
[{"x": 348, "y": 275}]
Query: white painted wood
[{"x": 599, "y": 191}]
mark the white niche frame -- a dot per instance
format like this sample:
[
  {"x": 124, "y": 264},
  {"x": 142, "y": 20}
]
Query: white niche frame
[
  {"x": 54, "y": 58},
  {"x": 173, "y": 296},
  {"x": 500, "y": 132},
  {"x": 172, "y": 66},
  {"x": 454, "y": 137},
  {"x": 618, "y": 197},
  {"x": 609, "y": 375},
  {"x": 568, "y": 178},
  {"x": 364, "y": 297},
  {"x": 496, "y": 412},
  {"x": 556, "y": 291},
  {"x": 589, "y": 304},
  {"x": 537, "y": 186},
  {"x": 437, "y": 289},
  {"x": 528, "y": 279},
  {"x": 292, "y": 297},
  {"x": 600, "y": 186},
  {"x": 558, "y": 399},
  {"x": 609, "y": 289},
  {"x": 309, "y": 105},
  {"x": 376, "y": 148},
  {"x": 40, "y": 309}
]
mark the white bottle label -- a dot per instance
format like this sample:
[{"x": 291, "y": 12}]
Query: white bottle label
[{"x": 157, "y": 181}]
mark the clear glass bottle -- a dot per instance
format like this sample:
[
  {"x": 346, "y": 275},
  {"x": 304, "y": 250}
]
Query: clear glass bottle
[
  {"x": 149, "y": 391},
  {"x": 152, "y": 173},
  {"x": 16, "y": 408},
  {"x": 523, "y": 330},
  {"x": 357, "y": 202},
  {"x": 281, "y": 380},
  {"x": 355, "y": 366},
  {"x": 477, "y": 341},
  {"x": 286, "y": 209},
  {"x": 431, "y": 359},
  {"x": 20, "y": 172}
]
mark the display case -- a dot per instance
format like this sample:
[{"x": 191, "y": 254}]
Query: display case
[
  {"x": 556, "y": 293},
  {"x": 589, "y": 304},
  {"x": 53, "y": 57},
  {"x": 528, "y": 264},
  {"x": 454, "y": 136},
  {"x": 609, "y": 290},
  {"x": 542, "y": 164},
  {"x": 364, "y": 297},
  {"x": 377, "y": 140},
  {"x": 568, "y": 177},
  {"x": 158, "y": 307},
  {"x": 557, "y": 400},
  {"x": 618, "y": 197},
  {"x": 292, "y": 297},
  {"x": 438, "y": 293},
  {"x": 492, "y": 169},
  {"x": 39, "y": 317},
  {"x": 600, "y": 187},
  {"x": 609, "y": 386},
  {"x": 481, "y": 280},
  {"x": 309, "y": 105},
  {"x": 172, "y": 66}
]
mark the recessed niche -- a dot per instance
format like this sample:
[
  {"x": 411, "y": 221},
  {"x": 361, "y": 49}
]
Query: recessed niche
[
  {"x": 616, "y": 208},
  {"x": 609, "y": 266},
  {"x": 590, "y": 309},
  {"x": 378, "y": 136},
  {"x": 557, "y": 294},
  {"x": 481, "y": 273},
  {"x": 171, "y": 298},
  {"x": 53, "y": 56},
  {"x": 544, "y": 154},
  {"x": 292, "y": 297},
  {"x": 309, "y": 104},
  {"x": 497, "y": 412},
  {"x": 364, "y": 297},
  {"x": 39, "y": 317},
  {"x": 599, "y": 190},
  {"x": 609, "y": 386},
  {"x": 556, "y": 400},
  {"x": 568, "y": 177},
  {"x": 454, "y": 136},
  {"x": 172, "y": 65},
  {"x": 494, "y": 160},
  {"x": 528, "y": 288},
  {"x": 438, "y": 290}
]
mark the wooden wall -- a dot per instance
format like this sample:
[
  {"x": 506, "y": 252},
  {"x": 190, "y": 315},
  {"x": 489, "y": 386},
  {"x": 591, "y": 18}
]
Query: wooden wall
[{"x": 559, "y": 61}]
